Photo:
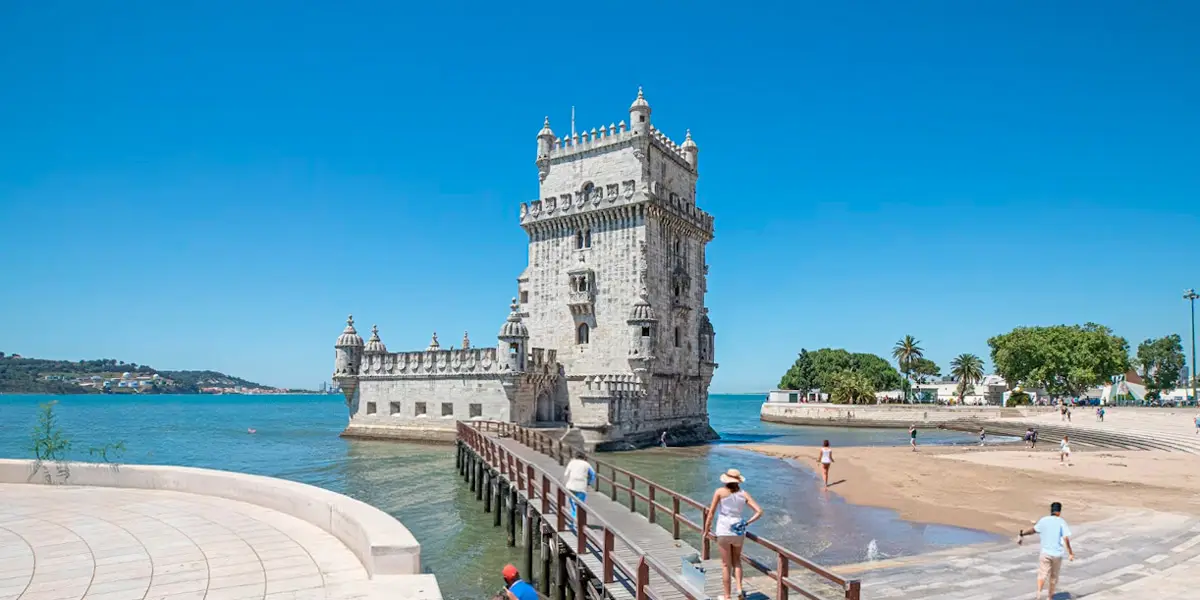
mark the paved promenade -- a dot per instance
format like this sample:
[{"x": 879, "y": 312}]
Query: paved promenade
[
  {"x": 67, "y": 543},
  {"x": 1134, "y": 557}
]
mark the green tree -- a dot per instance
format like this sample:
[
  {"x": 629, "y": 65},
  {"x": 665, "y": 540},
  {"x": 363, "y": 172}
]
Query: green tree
[
  {"x": 1160, "y": 361},
  {"x": 850, "y": 387},
  {"x": 802, "y": 376},
  {"x": 924, "y": 370},
  {"x": 1062, "y": 359},
  {"x": 828, "y": 362},
  {"x": 968, "y": 369},
  {"x": 1019, "y": 398},
  {"x": 905, "y": 352}
]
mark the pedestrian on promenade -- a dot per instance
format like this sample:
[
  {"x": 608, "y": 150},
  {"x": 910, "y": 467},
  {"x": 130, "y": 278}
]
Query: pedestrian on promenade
[
  {"x": 912, "y": 436},
  {"x": 1029, "y": 437},
  {"x": 1064, "y": 450},
  {"x": 1198, "y": 424},
  {"x": 982, "y": 435},
  {"x": 727, "y": 504},
  {"x": 1033, "y": 442},
  {"x": 1055, "y": 536},
  {"x": 1068, "y": 414},
  {"x": 517, "y": 588},
  {"x": 825, "y": 459},
  {"x": 576, "y": 477},
  {"x": 1101, "y": 414}
]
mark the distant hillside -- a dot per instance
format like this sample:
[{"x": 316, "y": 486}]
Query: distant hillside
[{"x": 20, "y": 375}]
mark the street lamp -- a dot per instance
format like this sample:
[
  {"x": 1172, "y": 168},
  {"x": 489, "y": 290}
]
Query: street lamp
[{"x": 1191, "y": 295}]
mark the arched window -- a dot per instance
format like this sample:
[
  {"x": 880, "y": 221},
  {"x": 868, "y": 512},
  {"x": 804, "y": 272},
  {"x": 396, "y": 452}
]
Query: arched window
[
  {"x": 581, "y": 334},
  {"x": 587, "y": 238},
  {"x": 579, "y": 239}
]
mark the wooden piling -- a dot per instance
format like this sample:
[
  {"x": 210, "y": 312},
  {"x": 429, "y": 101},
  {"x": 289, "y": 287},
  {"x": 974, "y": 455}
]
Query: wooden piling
[
  {"x": 512, "y": 516},
  {"x": 527, "y": 541},
  {"x": 474, "y": 468},
  {"x": 499, "y": 508},
  {"x": 487, "y": 490},
  {"x": 479, "y": 479},
  {"x": 546, "y": 558},
  {"x": 560, "y": 565}
]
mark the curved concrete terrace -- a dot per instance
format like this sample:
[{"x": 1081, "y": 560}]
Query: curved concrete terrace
[{"x": 113, "y": 532}]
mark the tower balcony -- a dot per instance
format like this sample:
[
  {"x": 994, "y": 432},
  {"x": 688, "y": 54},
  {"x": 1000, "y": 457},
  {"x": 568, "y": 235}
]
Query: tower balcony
[{"x": 581, "y": 302}]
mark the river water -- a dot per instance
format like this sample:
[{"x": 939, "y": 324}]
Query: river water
[{"x": 297, "y": 439}]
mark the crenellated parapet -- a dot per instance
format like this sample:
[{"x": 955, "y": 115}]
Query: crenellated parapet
[
  {"x": 617, "y": 201},
  {"x": 426, "y": 363},
  {"x": 608, "y": 386}
]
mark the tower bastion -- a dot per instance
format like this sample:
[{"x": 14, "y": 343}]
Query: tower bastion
[{"x": 608, "y": 337}]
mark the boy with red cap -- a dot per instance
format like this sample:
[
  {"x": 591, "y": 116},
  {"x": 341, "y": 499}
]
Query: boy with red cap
[{"x": 517, "y": 589}]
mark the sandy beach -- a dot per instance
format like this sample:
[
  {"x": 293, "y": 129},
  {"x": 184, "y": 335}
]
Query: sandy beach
[{"x": 1003, "y": 488}]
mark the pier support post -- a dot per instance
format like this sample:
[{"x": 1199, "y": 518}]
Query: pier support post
[
  {"x": 499, "y": 508},
  {"x": 474, "y": 475},
  {"x": 487, "y": 490},
  {"x": 512, "y": 516},
  {"x": 546, "y": 558},
  {"x": 479, "y": 480},
  {"x": 560, "y": 575},
  {"x": 527, "y": 541},
  {"x": 465, "y": 471}
]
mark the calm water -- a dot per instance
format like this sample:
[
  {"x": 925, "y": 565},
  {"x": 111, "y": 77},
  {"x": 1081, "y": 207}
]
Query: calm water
[{"x": 297, "y": 438}]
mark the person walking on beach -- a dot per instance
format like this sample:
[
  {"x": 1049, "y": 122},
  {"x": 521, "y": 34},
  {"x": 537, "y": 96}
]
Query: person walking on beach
[
  {"x": 662, "y": 439},
  {"x": 1197, "y": 424},
  {"x": 576, "y": 477},
  {"x": 1028, "y": 437},
  {"x": 727, "y": 504},
  {"x": 1064, "y": 450},
  {"x": 1055, "y": 536},
  {"x": 825, "y": 459},
  {"x": 516, "y": 588},
  {"x": 982, "y": 435},
  {"x": 912, "y": 436}
]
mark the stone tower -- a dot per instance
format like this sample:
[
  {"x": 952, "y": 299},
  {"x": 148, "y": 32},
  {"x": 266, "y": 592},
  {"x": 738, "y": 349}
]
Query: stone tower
[{"x": 617, "y": 276}]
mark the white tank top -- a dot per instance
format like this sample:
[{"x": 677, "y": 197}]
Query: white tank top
[
  {"x": 826, "y": 455},
  {"x": 729, "y": 512}
]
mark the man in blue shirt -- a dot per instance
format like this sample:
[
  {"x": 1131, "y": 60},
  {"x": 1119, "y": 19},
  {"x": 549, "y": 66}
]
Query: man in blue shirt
[
  {"x": 1056, "y": 540},
  {"x": 517, "y": 589}
]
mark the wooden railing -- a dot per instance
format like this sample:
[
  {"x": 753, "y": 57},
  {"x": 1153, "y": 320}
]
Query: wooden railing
[
  {"x": 546, "y": 494},
  {"x": 670, "y": 516}
]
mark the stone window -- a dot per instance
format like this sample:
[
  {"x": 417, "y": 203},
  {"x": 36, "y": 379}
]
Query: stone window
[
  {"x": 645, "y": 331},
  {"x": 581, "y": 283},
  {"x": 583, "y": 239},
  {"x": 676, "y": 337},
  {"x": 524, "y": 296},
  {"x": 581, "y": 334},
  {"x": 393, "y": 408},
  {"x": 476, "y": 410},
  {"x": 447, "y": 409},
  {"x": 641, "y": 118},
  {"x": 420, "y": 409},
  {"x": 370, "y": 408}
]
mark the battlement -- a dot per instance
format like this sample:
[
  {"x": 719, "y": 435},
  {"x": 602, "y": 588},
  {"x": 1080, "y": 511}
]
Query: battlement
[
  {"x": 614, "y": 385},
  {"x": 605, "y": 195},
  {"x": 425, "y": 363},
  {"x": 614, "y": 136}
]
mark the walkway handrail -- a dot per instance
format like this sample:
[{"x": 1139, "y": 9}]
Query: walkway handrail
[
  {"x": 784, "y": 558},
  {"x": 524, "y": 476}
]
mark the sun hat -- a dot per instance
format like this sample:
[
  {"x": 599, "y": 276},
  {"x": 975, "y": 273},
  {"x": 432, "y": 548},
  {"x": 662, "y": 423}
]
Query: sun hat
[{"x": 732, "y": 476}]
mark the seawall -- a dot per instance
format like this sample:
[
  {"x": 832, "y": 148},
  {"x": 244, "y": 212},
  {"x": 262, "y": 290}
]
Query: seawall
[
  {"x": 385, "y": 547},
  {"x": 886, "y": 415}
]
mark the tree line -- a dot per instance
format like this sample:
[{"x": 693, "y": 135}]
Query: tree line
[{"x": 1063, "y": 360}]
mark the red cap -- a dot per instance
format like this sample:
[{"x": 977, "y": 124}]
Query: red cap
[{"x": 510, "y": 572}]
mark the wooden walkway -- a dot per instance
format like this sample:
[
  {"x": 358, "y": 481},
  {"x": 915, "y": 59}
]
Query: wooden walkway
[{"x": 630, "y": 551}]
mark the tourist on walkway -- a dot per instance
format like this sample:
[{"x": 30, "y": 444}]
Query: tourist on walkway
[
  {"x": 727, "y": 504},
  {"x": 576, "y": 477},
  {"x": 517, "y": 588},
  {"x": 1064, "y": 450},
  {"x": 982, "y": 435},
  {"x": 1198, "y": 424},
  {"x": 912, "y": 436},
  {"x": 1101, "y": 414},
  {"x": 825, "y": 459},
  {"x": 1029, "y": 437},
  {"x": 1056, "y": 538}
]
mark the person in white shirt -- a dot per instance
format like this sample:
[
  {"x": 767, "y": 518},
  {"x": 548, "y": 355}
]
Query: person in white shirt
[
  {"x": 576, "y": 477},
  {"x": 1064, "y": 451}
]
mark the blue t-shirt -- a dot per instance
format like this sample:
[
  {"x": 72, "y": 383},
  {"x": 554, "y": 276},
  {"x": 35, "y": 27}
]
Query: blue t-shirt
[
  {"x": 522, "y": 590},
  {"x": 1052, "y": 530}
]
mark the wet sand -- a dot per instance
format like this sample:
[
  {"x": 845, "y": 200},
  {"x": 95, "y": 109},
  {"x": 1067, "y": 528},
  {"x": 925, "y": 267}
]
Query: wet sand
[{"x": 1003, "y": 488}]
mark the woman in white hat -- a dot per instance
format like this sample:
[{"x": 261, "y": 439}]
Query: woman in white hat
[{"x": 727, "y": 504}]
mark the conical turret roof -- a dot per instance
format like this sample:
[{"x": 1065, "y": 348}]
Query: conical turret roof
[
  {"x": 375, "y": 345},
  {"x": 513, "y": 327},
  {"x": 642, "y": 312},
  {"x": 349, "y": 337}
]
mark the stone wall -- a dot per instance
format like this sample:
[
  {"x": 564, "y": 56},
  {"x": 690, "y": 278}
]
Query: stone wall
[{"x": 884, "y": 415}]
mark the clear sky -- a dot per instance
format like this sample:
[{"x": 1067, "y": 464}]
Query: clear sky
[{"x": 216, "y": 184}]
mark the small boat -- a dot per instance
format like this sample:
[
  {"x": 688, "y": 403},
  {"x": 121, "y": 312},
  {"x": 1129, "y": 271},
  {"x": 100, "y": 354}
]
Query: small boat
[{"x": 248, "y": 430}]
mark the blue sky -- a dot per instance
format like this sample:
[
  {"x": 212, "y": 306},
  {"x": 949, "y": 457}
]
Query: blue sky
[{"x": 216, "y": 184}]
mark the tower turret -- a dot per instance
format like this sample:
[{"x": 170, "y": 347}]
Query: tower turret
[
  {"x": 639, "y": 115},
  {"x": 348, "y": 355},
  {"x": 690, "y": 150},
  {"x": 643, "y": 325},
  {"x": 514, "y": 338},
  {"x": 545, "y": 143},
  {"x": 375, "y": 345}
]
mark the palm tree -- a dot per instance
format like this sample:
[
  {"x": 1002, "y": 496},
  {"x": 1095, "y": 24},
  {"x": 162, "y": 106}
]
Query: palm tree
[
  {"x": 968, "y": 368},
  {"x": 905, "y": 352},
  {"x": 849, "y": 387}
]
